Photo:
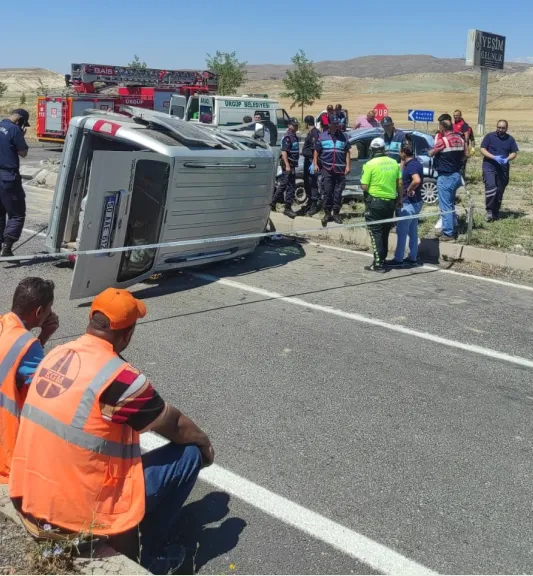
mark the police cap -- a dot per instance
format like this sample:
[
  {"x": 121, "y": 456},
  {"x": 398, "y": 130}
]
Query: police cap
[
  {"x": 24, "y": 114},
  {"x": 387, "y": 121},
  {"x": 292, "y": 122}
]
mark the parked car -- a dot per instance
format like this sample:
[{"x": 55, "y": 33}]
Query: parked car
[{"x": 360, "y": 141}]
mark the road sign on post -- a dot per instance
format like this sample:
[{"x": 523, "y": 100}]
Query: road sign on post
[
  {"x": 381, "y": 111},
  {"x": 421, "y": 115},
  {"x": 486, "y": 51}
]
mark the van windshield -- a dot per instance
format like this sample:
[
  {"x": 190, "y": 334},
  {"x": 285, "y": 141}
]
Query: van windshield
[{"x": 145, "y": 217}]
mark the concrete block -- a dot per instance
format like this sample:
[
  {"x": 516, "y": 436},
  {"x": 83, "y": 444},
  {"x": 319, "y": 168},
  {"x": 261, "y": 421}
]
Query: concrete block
[
  {"x": 429, "y": 248},
  {"x": 105, "y": 560}
]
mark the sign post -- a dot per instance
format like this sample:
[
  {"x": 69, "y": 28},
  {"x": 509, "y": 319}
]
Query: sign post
[{"x": 486, "y": 51}]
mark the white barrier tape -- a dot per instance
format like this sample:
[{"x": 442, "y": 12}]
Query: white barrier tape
[{"x": 66, "y": 255}]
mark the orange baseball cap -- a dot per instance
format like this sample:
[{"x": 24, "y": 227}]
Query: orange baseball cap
[{"x": 122, "y": 309}]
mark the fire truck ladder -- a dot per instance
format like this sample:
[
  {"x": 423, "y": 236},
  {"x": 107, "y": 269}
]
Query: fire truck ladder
[{"x": 113, "y": 75}]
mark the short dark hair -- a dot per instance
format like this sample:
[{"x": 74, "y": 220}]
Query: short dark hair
[
  {"x": 32, "y": 293},
  {"x": 101, "y": 322},
  {"x": 443, "y": 117},
  {"x": 503, "y": 120},
  {"x": 407, "y": 149},
  {"x": 446, "y": 124},
  {"x": 247, "y": 119}
]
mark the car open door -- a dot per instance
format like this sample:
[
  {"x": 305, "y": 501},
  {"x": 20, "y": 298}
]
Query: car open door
[
  {"x": 178, "y": 104},
  {"x": 125, "y": 206}
]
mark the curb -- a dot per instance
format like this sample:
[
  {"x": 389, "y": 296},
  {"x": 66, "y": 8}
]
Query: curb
[
  {"x": 106, "y": 560},
  {"x": 430, "y": 248}
]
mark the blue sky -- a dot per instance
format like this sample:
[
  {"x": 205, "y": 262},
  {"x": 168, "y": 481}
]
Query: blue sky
[{"x": 179, "y": 33}]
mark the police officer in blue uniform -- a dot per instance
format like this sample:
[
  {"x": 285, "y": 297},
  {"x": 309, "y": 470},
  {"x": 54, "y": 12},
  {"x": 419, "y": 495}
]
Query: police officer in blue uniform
[
  {"x": 12, "y": 197},
  {"x": 290, "y": 154},
  {"x": 332, "y": 150},
  {"x": 310, "y": 176},
  {"x": 393, "y": 137}
]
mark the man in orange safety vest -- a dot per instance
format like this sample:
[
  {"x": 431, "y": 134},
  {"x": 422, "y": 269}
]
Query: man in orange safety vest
[{"x": 77, "y": 465}]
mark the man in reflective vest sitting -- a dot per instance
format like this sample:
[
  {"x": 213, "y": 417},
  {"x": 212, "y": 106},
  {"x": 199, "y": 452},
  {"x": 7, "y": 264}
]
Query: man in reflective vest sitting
[
  {"x": 77, "y": 465},
  {"x": 20, "y": 353}
]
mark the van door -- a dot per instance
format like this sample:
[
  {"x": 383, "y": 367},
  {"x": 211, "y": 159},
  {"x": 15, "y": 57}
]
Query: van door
[
  {"x": 125, "y": 206},
  {"x": 193, "y": 109},
  {"x": 177, "y": 106},
  {"x": 206, "y": 110}
]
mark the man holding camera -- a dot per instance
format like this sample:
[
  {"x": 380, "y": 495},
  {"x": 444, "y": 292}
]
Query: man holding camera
[{"x": 12, "y": 197}]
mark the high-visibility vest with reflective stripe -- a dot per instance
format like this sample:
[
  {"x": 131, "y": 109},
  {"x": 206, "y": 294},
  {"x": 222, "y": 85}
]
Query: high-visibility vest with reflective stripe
[
  {"x": 72, "y": 468},
  {"x": 14, "y": 343}
]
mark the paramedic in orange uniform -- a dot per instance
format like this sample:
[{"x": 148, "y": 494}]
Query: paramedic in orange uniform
[
  {"x": 20, "y": 353},
  {"x": 77, "y": 464}
]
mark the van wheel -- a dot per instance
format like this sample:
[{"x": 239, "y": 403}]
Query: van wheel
[
  {"x": 430, "y": 193},
  {"x": 300, "y": 195}
]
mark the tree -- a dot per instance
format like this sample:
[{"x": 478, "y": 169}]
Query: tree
[
  {"x": 303, "y": 84},
  {"x": 136, "y": 63},
  {"x": 23, "y": 98},
  {"x": 3, "y": 88},
  {"x": 230, "y": 72}
]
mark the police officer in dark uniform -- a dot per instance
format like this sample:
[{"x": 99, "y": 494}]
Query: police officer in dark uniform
[
  {"x": 310, "y": 176},
  {"x": 332, "y": 150},
  {"x": 290, "y": 154},
  {"x": 12, "y": 196}
]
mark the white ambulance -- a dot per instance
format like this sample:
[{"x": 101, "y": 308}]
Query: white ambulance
[
  {"x": 149, "y": 179},
  {"x": 226, "y": 111}
]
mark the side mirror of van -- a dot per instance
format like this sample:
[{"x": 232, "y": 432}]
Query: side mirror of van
[{"x": 259, "y": 132}]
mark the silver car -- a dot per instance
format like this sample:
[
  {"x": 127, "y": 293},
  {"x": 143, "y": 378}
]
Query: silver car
[{"x": 360, "y": 141}]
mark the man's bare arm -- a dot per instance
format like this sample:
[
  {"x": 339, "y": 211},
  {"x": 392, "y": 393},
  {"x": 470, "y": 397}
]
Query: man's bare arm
[{"x": 178, "y": 428}]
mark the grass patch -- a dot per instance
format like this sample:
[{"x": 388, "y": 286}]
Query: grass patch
[
  {"x": 523, "y": 159},
  {"x": 512, "y": 233}
]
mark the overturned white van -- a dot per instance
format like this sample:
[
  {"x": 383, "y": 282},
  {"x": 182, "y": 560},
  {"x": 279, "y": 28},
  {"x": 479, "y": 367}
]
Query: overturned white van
[{"x": 149, "y": 179}]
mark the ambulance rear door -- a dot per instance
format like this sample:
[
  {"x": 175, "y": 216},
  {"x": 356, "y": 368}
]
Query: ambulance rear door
[{"x": 125, "y": 206}]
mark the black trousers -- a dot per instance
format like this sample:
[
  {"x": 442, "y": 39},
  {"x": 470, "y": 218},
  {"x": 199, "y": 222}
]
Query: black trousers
[
  {"x": 496, "y": 181},
  {"x": 286, "y": 189},
  {"x": 12, "y": 206},
  {"x": 310, "y": 182},
  {"x": 333, "y": 187},
  {"x": 379, "y": 209}
]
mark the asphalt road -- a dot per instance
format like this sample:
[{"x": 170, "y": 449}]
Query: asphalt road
[{"x": 397, "y": 406}]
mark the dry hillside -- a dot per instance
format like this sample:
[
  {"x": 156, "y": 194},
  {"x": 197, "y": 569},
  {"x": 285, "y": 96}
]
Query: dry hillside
[
  {"x": 377, "y": 67},
  {"x": 401, "y": 82},
  {"x": 29, "y": 80}
]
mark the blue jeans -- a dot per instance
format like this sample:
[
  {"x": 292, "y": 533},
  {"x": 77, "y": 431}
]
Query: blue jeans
[
  {"x": 447, "y": 186},
  {"x": 170, "y": 473},
  {"x": 406, "y": 228}
]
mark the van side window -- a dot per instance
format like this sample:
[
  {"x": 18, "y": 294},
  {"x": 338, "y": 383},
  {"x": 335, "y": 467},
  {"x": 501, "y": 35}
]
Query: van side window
[
  {"x": 177, "y": 110},
  {"x": 147, "y": 208},
  {"x": 206, "y": 114},
  {"x": 282, "y": 119}
]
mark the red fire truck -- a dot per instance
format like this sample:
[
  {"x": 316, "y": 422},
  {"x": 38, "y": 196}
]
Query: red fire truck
[{"x": 143, "y": 87}]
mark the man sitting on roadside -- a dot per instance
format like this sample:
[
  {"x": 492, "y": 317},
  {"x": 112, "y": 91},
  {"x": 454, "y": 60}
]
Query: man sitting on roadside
[
  {"x": 20, "y": 353},
  {"x": 77, "y": 464}
]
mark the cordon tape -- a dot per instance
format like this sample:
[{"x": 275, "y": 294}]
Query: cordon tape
[{"x": 102, "y": 251}]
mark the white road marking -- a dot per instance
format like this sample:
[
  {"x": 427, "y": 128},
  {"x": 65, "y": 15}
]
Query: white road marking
[
  {"x": 347, "y": 541},
  {"x": 428, "y": 267},
  {"x": 488, "y": 352}
]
